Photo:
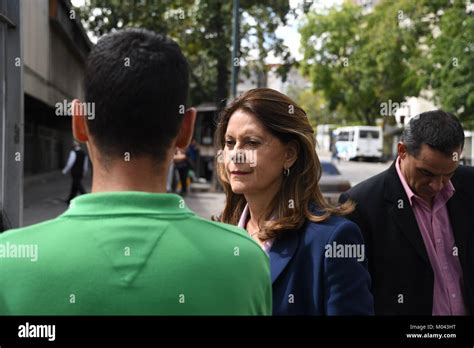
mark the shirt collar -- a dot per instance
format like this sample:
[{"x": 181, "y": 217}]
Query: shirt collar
[
  {"x": 244, "y": 217},
  {"x": 444, "y": 195},
  {"x": 267, "y": 245},
  {"x": 127, "y": 203}
]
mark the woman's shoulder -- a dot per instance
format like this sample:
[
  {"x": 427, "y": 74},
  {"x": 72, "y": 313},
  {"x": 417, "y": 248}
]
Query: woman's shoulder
[{"x": 332, "y": 229}]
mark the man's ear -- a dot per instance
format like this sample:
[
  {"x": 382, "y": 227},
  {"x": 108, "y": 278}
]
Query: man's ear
[
  {"x": 186, "y": 131},
  {"x": 402, "y": 150},
  {"x": 291, "y": 153},
  {"x": 79, "y": 122}
]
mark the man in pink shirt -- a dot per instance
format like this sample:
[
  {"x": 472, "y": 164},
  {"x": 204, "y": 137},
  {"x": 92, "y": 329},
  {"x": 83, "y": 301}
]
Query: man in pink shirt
[{"x": 417, "y": 222}]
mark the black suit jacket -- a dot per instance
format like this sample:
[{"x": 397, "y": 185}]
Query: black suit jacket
[{"x": 402, "y": 276}]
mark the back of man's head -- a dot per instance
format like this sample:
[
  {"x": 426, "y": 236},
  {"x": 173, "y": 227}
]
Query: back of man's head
[
  {"x": 438, "y": 129},
  {"x": 138, "y": 81}
]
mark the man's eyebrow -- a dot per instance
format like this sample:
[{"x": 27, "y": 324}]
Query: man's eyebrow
[{"x": 430, "y": 173}]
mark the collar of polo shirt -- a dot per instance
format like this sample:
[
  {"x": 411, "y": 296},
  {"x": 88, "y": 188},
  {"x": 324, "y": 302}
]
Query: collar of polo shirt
[{"x": 128, "y": 203}]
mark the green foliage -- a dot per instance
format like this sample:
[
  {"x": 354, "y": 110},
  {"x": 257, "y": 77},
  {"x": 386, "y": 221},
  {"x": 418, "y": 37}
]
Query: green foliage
[
  {"x": 359, "y": 61},
  {"x": 315, "y": 106},
  {"x": 452, "y": 70},
  {"x": 203, "y": 29}
]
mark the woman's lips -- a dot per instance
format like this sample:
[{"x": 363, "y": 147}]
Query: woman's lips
[{"x": 239, "y": 173}]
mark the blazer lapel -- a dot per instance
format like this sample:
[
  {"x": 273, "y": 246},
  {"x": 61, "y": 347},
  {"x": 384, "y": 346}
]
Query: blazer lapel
[
  {"x": 282, "y": 252},
  {"x": 402, "y": 214},
  {"x": 406, "y": 222}
]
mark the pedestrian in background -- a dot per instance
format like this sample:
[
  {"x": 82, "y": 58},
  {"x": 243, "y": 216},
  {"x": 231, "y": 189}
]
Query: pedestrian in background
[
  {"x": 77, "y": 163},
  {"x": 192, "y": 154},
  {"x": 334, "y": 153},
  {"x": 182, "y": 166}
]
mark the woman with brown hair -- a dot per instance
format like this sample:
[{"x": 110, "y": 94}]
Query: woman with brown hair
[{"x": 268, "y": 166}]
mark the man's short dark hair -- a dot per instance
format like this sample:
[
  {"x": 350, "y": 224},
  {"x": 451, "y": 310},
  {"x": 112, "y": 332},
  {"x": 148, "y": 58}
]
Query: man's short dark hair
[
  {"x": 138, "y": 80},
  {"x": 438, "y": 129}
]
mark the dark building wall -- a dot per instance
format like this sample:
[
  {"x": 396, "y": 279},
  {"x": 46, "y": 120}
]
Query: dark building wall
[{"x": 48, "y": 138}]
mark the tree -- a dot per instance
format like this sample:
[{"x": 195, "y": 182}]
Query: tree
[
  {"x": 361, "y": 61},
  {"x": 203, "y": 30},
  {"x": 451, "y": 66},
  {"x": 315, "y": 106}
]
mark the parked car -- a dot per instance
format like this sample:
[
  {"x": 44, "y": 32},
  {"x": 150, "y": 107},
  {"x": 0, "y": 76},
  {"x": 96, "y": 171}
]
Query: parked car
[{"x": 332, "y": 183}]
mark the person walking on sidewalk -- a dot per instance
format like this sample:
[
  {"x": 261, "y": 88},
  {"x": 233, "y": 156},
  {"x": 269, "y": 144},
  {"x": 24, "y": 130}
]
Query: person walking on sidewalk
[
  {"x": 182, "y": 166},
  {"x": 77, "y": 164}
]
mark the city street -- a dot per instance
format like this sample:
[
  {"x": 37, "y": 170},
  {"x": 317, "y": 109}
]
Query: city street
[
  {"x": 356, "y": 172},
  {"x": 120, "y": 90},
  {"x": 44, "y": 195}
]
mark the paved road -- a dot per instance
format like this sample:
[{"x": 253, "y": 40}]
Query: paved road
[
  {"x": 356, "y": 172},
  {"x": 206, "y": 204}
]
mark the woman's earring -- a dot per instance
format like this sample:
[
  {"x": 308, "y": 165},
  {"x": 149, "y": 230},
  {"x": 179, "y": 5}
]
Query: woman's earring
[{"x": 286, "y": 172}]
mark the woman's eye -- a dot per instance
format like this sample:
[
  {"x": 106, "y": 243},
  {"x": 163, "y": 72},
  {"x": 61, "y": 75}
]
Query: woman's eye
[
  {"x": 229, "y": 142},
  {"x": 253, "y": 143}
]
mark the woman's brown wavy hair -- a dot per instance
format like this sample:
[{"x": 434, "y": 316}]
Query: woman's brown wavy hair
[{"x": 289, "y": 123}]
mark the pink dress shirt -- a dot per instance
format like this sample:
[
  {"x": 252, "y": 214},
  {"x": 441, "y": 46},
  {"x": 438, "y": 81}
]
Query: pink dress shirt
[{"x": 439, "y": 242}]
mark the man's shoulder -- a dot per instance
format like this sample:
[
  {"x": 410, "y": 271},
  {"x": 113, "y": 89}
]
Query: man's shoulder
[
  {"x": 228, "y": 234},
  {"x": 31, "y": 233},
  {"x": 463, "y": 178},
  {"x": 223, "y": 232}
]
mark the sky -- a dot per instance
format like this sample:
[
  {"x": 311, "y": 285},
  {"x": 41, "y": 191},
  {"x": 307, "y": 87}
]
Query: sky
[{"x": 289, "y": 33}]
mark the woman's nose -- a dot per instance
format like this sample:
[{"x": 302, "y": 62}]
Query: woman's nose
[{"x": 238, "y": 156}]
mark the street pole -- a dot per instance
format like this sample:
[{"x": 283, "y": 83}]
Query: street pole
[{"x": 235, "y": 48}]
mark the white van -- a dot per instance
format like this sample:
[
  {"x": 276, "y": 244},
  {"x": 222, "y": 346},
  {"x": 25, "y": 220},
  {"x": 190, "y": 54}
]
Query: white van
[{"x": 359, "y": 142}]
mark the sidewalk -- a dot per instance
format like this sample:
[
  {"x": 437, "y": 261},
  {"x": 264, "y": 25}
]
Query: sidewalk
[
  {"x": 205, "y": 204},
  {"x": 44, "y": 197}
]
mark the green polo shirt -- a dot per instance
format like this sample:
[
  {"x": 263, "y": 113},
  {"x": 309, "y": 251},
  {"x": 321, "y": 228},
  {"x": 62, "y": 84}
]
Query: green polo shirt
[{"x": 132, "y": 253}]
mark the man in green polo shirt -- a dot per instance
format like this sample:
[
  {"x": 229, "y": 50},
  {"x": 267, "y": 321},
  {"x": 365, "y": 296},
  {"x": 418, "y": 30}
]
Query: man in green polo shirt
[{"x": 128, "y": 247}]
